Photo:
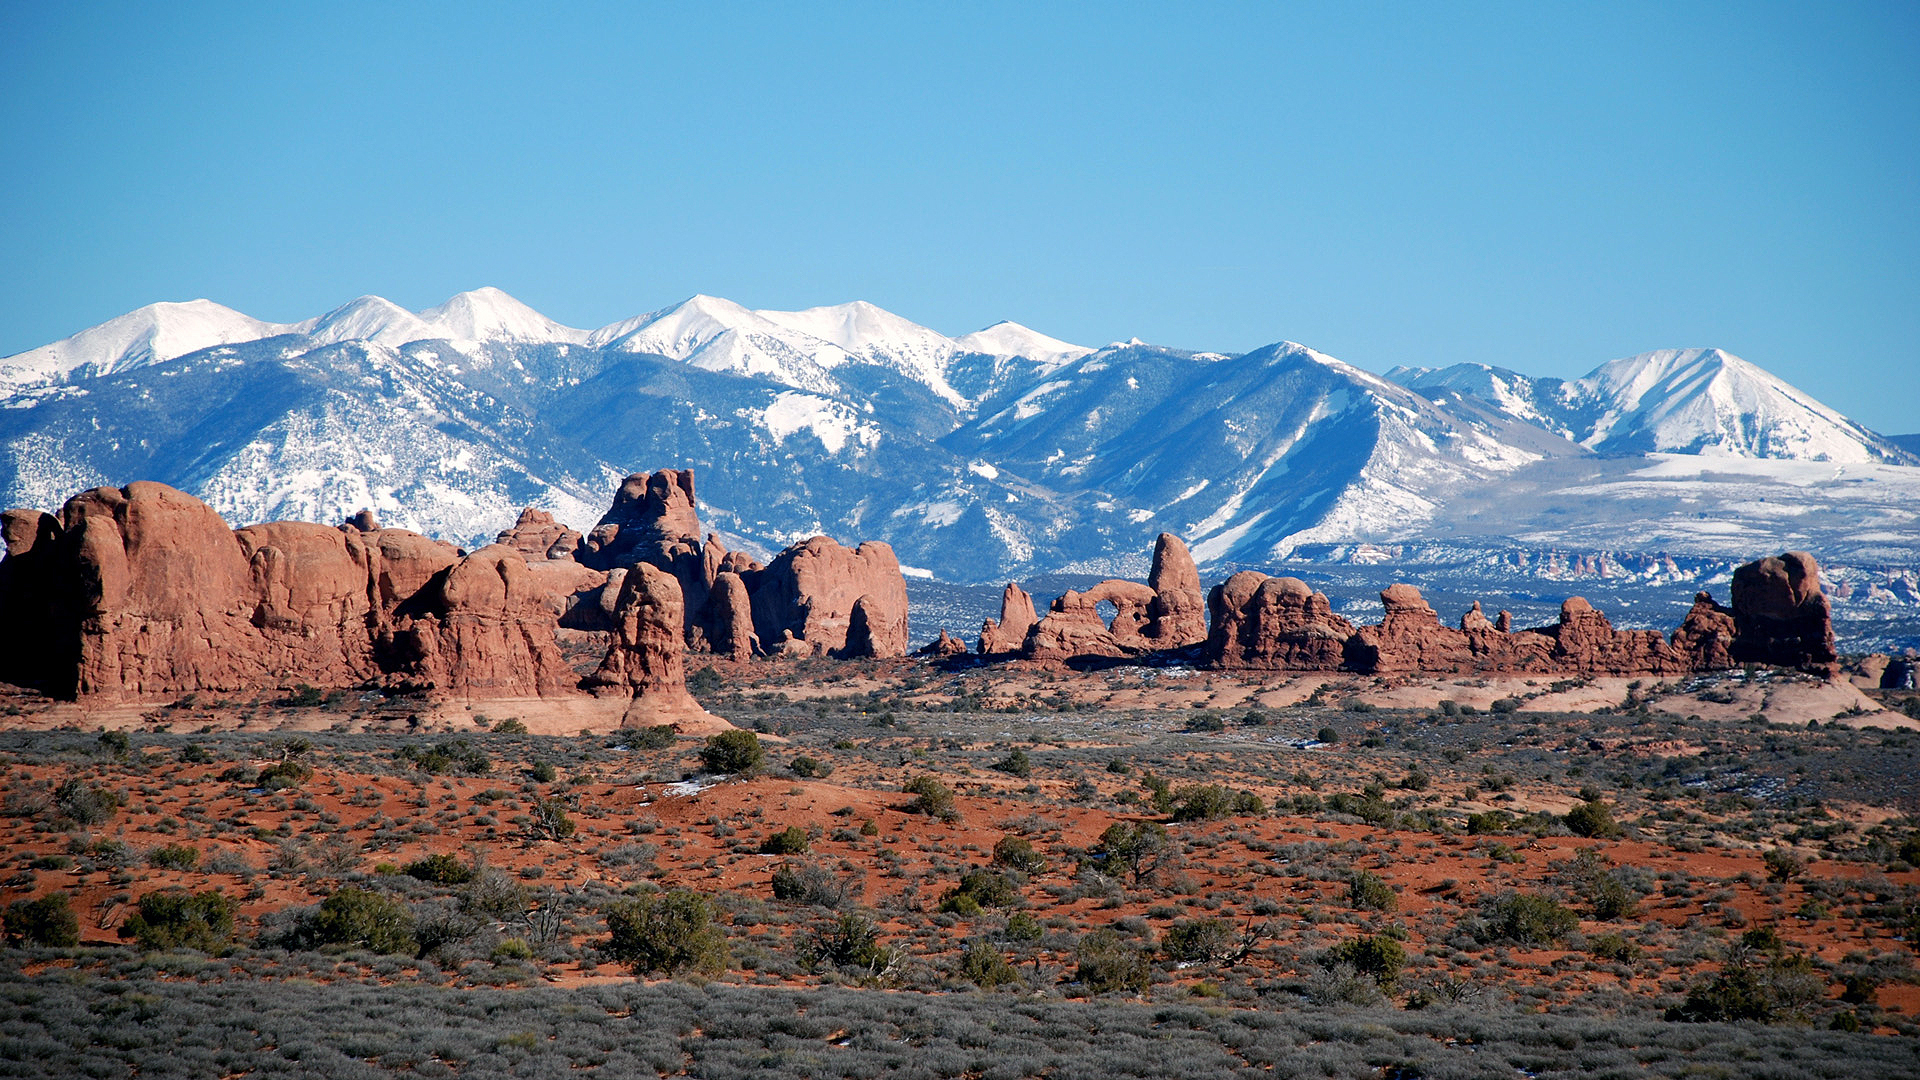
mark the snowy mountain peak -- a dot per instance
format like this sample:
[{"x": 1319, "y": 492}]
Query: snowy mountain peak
[
  {"x": 150, "y": 335},
  {"x": 1708, "y": 401},
  {"x": 488, "y": 314},
  {"x": 1008, "y": 338},
  {"x": 366, "y": 318}
]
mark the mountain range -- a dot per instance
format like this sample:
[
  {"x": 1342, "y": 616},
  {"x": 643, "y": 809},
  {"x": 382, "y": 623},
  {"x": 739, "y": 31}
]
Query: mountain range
[{"x": 980, "y": 457}]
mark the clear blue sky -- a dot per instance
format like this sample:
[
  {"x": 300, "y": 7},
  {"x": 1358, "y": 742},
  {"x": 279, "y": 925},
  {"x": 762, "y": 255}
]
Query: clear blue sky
[{"x": 1541, "y": 186}]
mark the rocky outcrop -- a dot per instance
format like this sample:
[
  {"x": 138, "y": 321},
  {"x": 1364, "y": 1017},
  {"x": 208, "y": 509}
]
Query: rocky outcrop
[
  {"x": 29, "y": 583},
  {"x": 1780, "y": 614},
  {"x": 730, "y": 615},
  {"x": 1280, "y": 624},
  {"x": 1177, "y": 614},
  {"x": 483, "y": 627},
  {"x": 648, "y": 655},
  {"x": 943, "y": 647},
  {"x": 1073, "y": 626},
  {"x": 1274, "y": 622},
  {"x": 1008, "y": 633},
  {"x": 650, "y": 511},
  {"x": 538, "y": 536},
  {"x": 810, "y": 590}
]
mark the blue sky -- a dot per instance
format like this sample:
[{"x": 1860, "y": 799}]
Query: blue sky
[{"x": 1540, "y": 186}]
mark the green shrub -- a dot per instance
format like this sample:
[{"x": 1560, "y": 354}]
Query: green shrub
[
  {"x": 1613, "y": 947},
  {"x": 441, "y": 869},
  {"x": 194, "y": 754},
  {"x": 932, "y": 798},
  {"x": 1105, "y": 962},
  {"x": 791, "y": 840},
  {"x": 48, "y": 921},
  {"x": 1769, "y": 990},
  {"x": 1592, "y": 818},
  {"x": 961, "y": 904},
  {"x": 1201, "y": 941},
  {"x": 667, "y": 933},
  {"x": 176, "y": 919},
  {"x": 549, "y": 819},
  {"x": 174, "y": 857},
  {"x": 1206, "y": 722},
  {"x": 84, "y": 803},
  {"x": 512, "y": 948},
  {"x": 985, "y": 966},
  {"x": 1327, "y": 735},
  {"x": 1378, "y": 957},
  {"x": 509, "y": 726},
  {"x": 1017, "y": 853},
  {"x": 304, "y": 697},
  {"x": 1370, "y": 891},
  {"x": 850, "y": 941},
  {"x": 657, "y": 737},
  {"x": 282, "y": 775},
  {"x": 1783, "y": 865},
  {"x": 455, "y": 757},
  {"x": 980, "y": 889},
  {"x": 1016, "y": 763},
  {"x": 810, "y": 883},
  {"x": 810, "y": 768},
  {"x": 1209, "y": 802},
  {"x": 1490, "y": 823},
  {"x": 1528, "y": 919},
  {"x": 733, "y": 753},
  {"x": 360, "y": 918},
  {"x": 705, "y": 682},
  {"x": 543, "y": 772},
  {"x": 1132, "y": 848},
  {"x": 1023, "y": 927}
]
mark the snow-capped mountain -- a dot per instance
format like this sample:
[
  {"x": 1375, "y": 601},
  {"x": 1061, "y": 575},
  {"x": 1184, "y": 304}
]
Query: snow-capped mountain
[
  {"x": 149, "y": 335},
  {"x": 1686, "y": 401},
  {"x": 978, "y": 456}
]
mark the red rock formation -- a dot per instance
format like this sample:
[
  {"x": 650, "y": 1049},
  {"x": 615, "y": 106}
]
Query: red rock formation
[
  {"x": 1781, "y": 616},
  {"x": 1279, "y": 623},
  {"x": 648, "y": 511},
  {"x": 483, "y": 627},
  {"x": 157, "y": 593},
  {"x": 312, "y": 600},
  {"x": 1008, "y": 634},
  {"x": 1074, "y": 628},
  {"x": 538, "y": 536},
  {"x": 869, "y": 633},
  {"x": 29, "y": 584},
  {"x": 648, "y": 656},
  {"x": 811, "y": 588},
  {"x": 942, "y": 647},
  {"x": 730, "y": 614},
  {"x": 1177, "y": 614},
  {"x": 1705, "y": 636}
]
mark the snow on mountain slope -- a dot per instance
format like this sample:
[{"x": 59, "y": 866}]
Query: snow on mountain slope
[
  {"x": 148, "y": 335},
  {"x": 1685, "y": 401},
  {"x": 366, "y": 318},
  {"x": 880, "y": 337},
  {"x": 1008, "y": 338},
  {"x": 714, "y": 334},
  {"x": 1706, "y": 401},
  {"x": 487, "y": 314}
]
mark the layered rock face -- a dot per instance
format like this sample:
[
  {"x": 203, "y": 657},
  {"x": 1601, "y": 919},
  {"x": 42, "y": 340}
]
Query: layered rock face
[
  {"x": 1279, "y": 624},
  {"x": 1780, "y": 615},
  {"x": 810, "y": 591},
  {"x": 1008, "y": 633},
  {"x": 1167, "y": 613},
  {"x": 648, "y": 658},
  {"x": 144, "y": 590}
]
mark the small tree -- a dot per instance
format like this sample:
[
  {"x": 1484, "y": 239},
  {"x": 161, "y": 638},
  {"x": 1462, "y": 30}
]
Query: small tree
[
  {"x": 175, "y": 919},
  {"x": 1529, "y": 919},
  {"x": 47, "y": 921},
  {"x": 360, "y": 918},
  {"x": 986, "y": 967},
  {"x": 667, "y": 933},
  {"x": 1592, "y": 818},
  {"x": 549, "y": 819},
  {"x": 1379, "y": 957},
  {"x": 811, "y": 883},
  {"x": 1016, "y": 763},
  {"x": 791, "y": 840},
  {"x": 84, "y": 803},
  {"x": 733, "y": 753},
  {"x": 1017, "y": 853},
  {"x": 441, "y": 869},
  {"x": 1783, "y": 865},
  {"x": 852, "y": 941},
  {"x": 1370, "y": 891},
  {"x": 1104, "y": 962},
  {"x": 932, "y": 798},
  {"x": 1135, "y": 848}
]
